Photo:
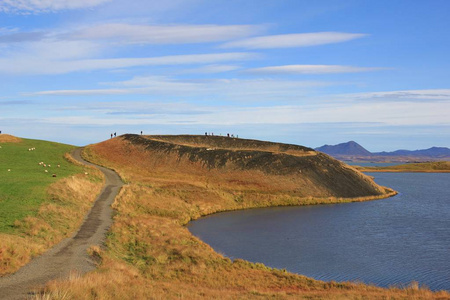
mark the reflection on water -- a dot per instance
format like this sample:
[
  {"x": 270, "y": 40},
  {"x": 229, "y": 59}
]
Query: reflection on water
[{"x": 392, "y": 241}]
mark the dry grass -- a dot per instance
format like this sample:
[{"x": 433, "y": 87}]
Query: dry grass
[
  {"x": 150, "y": 254},
  {"x": 6, "y": 138},
  {"x": 69, "y": 201},
  {"x": 427, "y": 167}
]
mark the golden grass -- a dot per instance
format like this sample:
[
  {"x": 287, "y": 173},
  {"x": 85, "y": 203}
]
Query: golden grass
[
  {"x": 6, "y": 138},
  {"x": 69, "y": 201},
  {"x": 426, "y": 167},
  {"x": 150, "y": 254}
]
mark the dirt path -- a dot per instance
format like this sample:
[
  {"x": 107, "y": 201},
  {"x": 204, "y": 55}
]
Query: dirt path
[{"x": 71, "y": 253}]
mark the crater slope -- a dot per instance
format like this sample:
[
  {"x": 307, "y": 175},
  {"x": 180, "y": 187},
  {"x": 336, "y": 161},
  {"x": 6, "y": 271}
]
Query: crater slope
[{"x": 245, "y": 164}]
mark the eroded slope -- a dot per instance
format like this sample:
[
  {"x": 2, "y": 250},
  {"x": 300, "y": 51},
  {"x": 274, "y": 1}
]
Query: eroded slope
[{"x": 248, "y": 163}]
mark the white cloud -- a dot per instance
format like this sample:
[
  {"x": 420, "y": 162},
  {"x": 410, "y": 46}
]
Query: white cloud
[
  {"x": 211, "y": 69},
  {"x": 432, "y": 94},
  {"x": 392, "y": 114},
  {"x": 294, "y": 40},
  {"x": 46, "y": 65},
  {"x": 248, "y": 90},
  {"x": 168, "y": 34},
  {"x": 40, "y": 6},
  {"x": 311, "y": 69}
]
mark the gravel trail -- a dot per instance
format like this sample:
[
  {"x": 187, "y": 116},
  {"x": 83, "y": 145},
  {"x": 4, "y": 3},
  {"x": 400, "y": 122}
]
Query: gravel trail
[{"x": 70, "y": 254}]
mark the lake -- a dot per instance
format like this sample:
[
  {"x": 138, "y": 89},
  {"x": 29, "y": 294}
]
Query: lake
[
  {"x": 373, "y": 164},
  {"x": 386, "y": 242}
]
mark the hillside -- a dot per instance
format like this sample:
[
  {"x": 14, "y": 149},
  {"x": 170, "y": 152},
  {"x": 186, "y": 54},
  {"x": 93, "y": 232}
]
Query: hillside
[
  {"x": 150, "y": 254},
  {"x": 44, "y": 197},
  {"x": 250, "y": 164}
]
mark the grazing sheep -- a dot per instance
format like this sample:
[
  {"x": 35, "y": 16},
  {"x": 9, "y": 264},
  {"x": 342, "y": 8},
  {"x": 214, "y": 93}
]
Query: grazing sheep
[
  {"x": 53, "y": 175},
  {"x": 46, "y": 171},
  {"x": 49, "y": 165},
  {"x": 9, "y": 170},
  {"x": 58, "y": 166},
  {"x": 86, "y": 173}
]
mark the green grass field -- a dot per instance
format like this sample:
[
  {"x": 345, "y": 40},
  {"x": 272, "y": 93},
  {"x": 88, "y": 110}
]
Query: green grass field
[{"x": 24, "y": 187}]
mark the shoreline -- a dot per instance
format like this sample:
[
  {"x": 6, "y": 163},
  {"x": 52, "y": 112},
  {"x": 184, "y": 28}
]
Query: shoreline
[
  {"x": 150, "y": 250},
  {"x": 315, "y": 201},
  {"x": 366, "y": 170}
]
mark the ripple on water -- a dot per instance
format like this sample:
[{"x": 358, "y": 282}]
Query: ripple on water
[{"x": 387, "y": 242}]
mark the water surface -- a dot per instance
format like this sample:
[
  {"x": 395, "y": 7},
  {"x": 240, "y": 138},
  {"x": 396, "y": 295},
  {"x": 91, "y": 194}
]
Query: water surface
[{"x": 386, "y": 242}]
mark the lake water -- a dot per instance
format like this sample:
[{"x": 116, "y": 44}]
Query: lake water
[
  {"x": 373, "y": 164},
  {"x": 386, "y": 242}
]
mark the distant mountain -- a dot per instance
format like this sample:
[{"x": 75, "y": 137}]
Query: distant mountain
[
  {"x": 349, "y": 148},
  {"x": 354, "y": 152},
  {"x": 431, "y": 152}
]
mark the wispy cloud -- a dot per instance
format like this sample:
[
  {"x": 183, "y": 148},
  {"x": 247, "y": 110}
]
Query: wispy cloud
[
  {"x": 432, "y": 94},
  {"x": 413, "y": 114},
  {"x": 311, "y": 69},
  {"x": 211, "y": 69},
  {"x": 31, "y": 65},
  {"x": 248, "y": 90},
  {"x": 168, "y": 34},
  {"x": 42, "y": 6},
  {"x": 15, "y": 102},
  {"x": 19, "y": 37},
  {"x": 293, "y": 40}
]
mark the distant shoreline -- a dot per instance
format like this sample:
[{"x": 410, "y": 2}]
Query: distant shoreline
[{"x": 428, "y": 167}]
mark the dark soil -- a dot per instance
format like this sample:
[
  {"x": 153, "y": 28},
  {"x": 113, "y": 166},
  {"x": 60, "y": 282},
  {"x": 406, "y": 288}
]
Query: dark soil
[{"x": 212, "y": 152}]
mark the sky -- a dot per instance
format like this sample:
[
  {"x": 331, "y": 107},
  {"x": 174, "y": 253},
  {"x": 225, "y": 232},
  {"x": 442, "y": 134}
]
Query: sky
[{"x": 293, "y": 71}]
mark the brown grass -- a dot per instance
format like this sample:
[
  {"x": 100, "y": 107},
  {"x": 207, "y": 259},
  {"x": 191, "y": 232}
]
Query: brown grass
[
  {"x": 427, "y": 167},
  {"x": 69, "y": 201},
  {"x": 6, "y": 138},
  {"x": 150, "y": 254}
]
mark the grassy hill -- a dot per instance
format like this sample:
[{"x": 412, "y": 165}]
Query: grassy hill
[
  {"x": 36, "y": 209},
  {"x": 171, "y": 180},
  {"x": 242, "y": 165}
]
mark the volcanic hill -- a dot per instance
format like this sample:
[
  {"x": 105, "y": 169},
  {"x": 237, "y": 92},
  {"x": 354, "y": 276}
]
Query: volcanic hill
[{"x": 239, "y": 164}]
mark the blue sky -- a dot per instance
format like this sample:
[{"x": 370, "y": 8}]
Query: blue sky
[{"x": 303, "y": 72}]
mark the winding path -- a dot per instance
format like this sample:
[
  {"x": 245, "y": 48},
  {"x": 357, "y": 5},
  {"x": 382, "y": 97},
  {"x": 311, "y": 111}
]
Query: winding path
[{"x": 71, "y": 253}]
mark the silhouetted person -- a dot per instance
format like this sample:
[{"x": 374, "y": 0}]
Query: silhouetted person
[
  {"x": 141, "y": 132},
  {"x": 111, "y": 135},
  {"x": 228, "y": 135},
  {"x": 206, "y": 134}
]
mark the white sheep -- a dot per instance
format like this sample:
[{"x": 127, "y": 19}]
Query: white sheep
[{"x": 46, "y": 171}]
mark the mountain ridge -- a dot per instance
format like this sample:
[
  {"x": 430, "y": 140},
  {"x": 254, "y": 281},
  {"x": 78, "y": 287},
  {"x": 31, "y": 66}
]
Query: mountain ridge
[{"x": 353, "y": 151}]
